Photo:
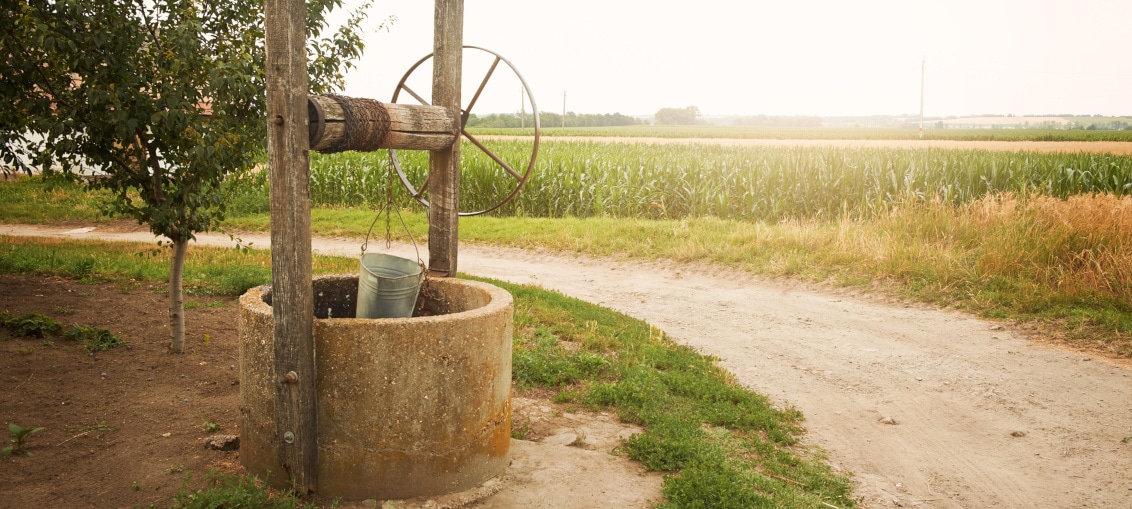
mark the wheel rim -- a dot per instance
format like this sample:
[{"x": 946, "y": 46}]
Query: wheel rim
[{"x": 520, "y": 178}]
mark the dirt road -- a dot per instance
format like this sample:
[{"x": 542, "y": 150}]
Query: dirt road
[{"x": 974, "y": 414}]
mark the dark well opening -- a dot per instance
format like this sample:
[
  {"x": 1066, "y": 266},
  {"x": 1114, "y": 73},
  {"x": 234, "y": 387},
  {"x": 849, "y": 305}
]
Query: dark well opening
[{"x": 337, "y": 297}]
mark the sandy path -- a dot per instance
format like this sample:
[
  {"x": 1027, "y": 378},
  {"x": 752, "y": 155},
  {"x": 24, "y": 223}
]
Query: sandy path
[{"x": 984, "y": 417}]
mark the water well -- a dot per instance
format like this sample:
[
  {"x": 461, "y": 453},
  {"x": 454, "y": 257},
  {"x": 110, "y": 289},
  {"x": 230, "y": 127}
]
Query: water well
[{"x": 407, "y": 407}]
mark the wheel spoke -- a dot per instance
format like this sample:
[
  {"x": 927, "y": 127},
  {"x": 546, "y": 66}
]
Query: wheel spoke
[
  {"x": 472, "y": 104},
  {"x": 493, "y": 157},
  {"x": 424, "y": 187},
  {"x": 414, "y": 94}
]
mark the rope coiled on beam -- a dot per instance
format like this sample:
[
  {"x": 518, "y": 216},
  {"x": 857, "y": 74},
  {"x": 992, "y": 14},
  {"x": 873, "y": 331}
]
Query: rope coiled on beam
[{"x": 367, "y": 124}]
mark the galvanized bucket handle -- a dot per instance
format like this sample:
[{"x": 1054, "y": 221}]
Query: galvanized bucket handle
[{"x": 386, "y": 207}]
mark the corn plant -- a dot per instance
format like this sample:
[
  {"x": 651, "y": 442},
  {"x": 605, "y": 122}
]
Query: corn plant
[{"x": 586, "y": 178}]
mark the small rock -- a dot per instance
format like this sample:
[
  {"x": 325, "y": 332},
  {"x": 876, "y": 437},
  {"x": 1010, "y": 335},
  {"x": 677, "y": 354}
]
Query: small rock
[
  {"x": 185, "y": 400},
  {"x": 222, "y": 442},
  {"x": 1017, "y": 434},
  {"x": 369, "y": 502},
  {"x": 887, "y": 420},
  {"x": 104, "y": 375},
  {"x": 997, "y": 327},
  {"x": 166, "y": 435},
  {"x": 919, "y": 379}
]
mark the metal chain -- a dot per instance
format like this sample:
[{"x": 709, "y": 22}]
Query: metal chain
[{"x": 387, "y": 207}]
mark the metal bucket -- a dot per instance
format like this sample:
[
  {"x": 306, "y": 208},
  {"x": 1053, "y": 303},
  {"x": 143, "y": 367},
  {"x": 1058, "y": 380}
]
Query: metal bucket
[{"x": 387, "y": 286}]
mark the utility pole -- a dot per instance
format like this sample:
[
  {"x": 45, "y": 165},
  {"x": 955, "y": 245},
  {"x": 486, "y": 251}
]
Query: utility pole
[{"x": 923, "y": 65}]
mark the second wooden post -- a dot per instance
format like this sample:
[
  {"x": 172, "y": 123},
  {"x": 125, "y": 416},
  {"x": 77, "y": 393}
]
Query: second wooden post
[{"x": 444, "y": 165}]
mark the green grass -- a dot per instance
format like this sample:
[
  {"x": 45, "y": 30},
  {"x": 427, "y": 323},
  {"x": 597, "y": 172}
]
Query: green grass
[
  {"x": 713, "y": 438},
  {"x": 208, "y": 304},
  {"x": 233, "y": 492},
  {"x": 208, "y": 270},
  {"x": 38, "y": 200}
]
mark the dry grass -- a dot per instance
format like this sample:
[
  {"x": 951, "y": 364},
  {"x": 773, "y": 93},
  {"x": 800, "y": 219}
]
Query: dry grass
[
  {"x": 1093, "y": 237},
  {"x": 1066, "y": 263}
]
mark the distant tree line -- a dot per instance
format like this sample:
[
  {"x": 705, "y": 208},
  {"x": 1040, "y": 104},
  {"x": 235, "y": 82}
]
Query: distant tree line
[
  {"x": 778, "y": 121},
  {"x": 547, "y": 119},
  {"x": 1116, "y": 125},
  {"x": 677, "y": 116}
]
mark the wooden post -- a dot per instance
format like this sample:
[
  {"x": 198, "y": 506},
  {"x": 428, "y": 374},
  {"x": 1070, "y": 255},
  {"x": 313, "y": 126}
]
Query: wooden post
[
  {"x": 292, "y": 294},
  {"x": 444, "y": 165}
]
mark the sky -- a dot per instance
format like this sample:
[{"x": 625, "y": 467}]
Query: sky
[{"x": 796, "y": 57}]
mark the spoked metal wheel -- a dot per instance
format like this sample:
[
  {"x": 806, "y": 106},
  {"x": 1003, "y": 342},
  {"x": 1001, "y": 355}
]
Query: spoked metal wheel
[{"x": 514, "y": 169}]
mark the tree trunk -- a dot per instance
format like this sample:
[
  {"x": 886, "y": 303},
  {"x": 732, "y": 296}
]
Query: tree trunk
[{"x": 176, "y": 296}]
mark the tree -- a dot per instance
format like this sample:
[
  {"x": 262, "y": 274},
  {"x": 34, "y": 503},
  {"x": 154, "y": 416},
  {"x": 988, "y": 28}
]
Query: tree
[
  {"x": 165, "y": 97},
  {"x": 677, "y": 116}
]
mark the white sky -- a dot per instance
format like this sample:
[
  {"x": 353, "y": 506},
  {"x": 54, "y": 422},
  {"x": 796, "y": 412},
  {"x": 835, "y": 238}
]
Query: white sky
[{"x": 780, "y": 57}]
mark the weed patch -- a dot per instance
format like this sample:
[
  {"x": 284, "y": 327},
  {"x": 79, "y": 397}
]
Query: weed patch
[
  {"x": 92, "y": 338},
  {"x": 234, "y": 492},
  {"x": 34, "y": 325},
  {"x": 18, "y": 438}
]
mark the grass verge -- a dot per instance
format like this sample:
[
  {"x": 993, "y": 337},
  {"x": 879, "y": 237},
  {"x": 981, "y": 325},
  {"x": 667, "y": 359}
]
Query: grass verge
[
  {"x": 1063, "y": 264},
  {"x": 723, "y": 445},
  {"x": 720, "y": 444},
  {"x": 208, "y": 270},
  {"x": 49, "y": 200}
]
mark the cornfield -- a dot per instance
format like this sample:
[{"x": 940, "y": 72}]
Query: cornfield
[{"x": 582, "y": 179}]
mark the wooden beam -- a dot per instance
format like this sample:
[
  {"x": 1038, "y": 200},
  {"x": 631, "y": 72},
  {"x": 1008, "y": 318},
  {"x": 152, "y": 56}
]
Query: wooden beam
[
  {"x": 339, "y": 123},
  {"x": 444, "y": 165},
  {"x": 292, "y": 294}
]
